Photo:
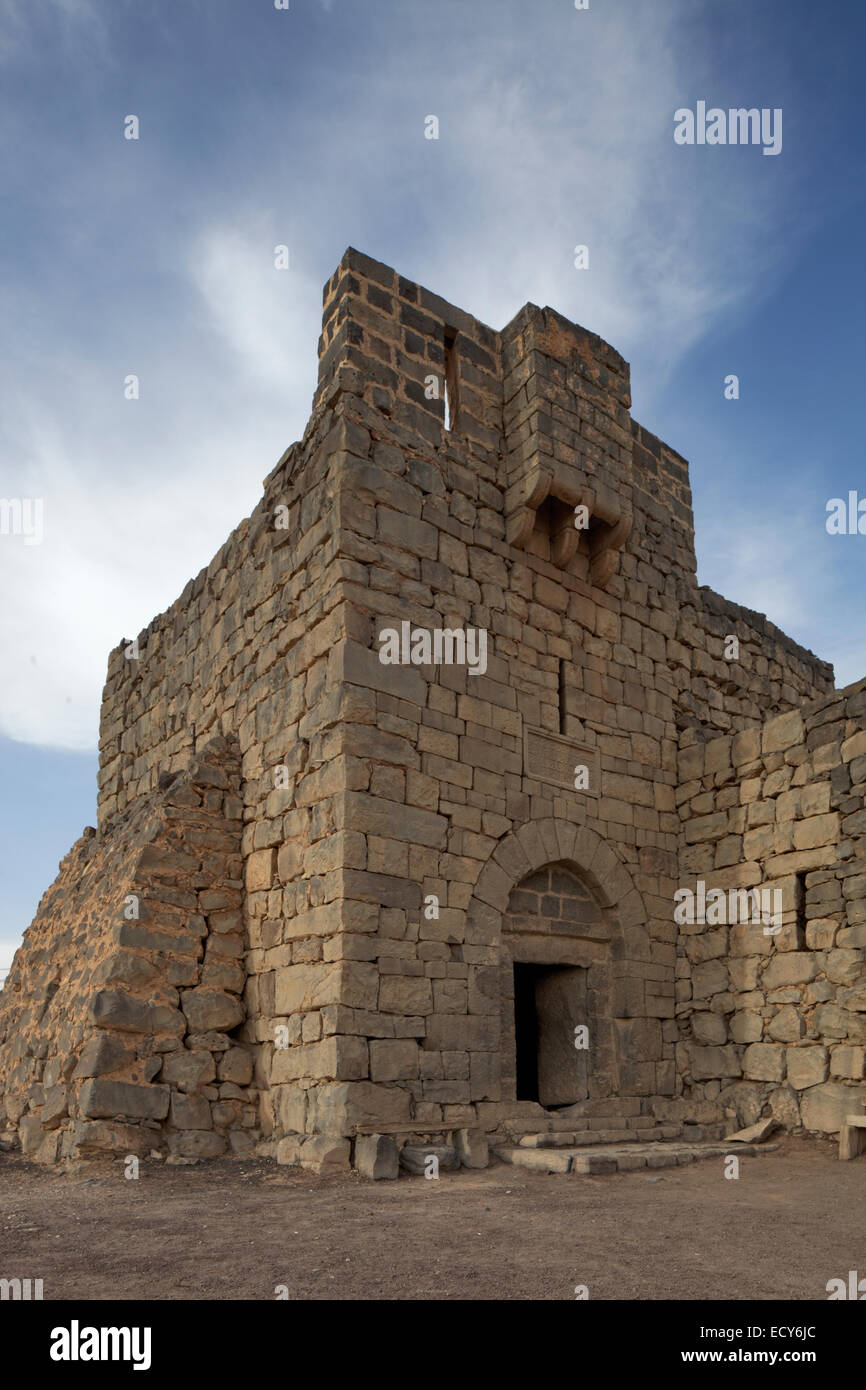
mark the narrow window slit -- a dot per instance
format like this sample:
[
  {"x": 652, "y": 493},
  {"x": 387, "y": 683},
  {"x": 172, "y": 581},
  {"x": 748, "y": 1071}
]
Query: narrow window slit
[
  {"x": 452, "y": 397},
  {"x": 562, "y": 696},
  {"x": 800, "y": 908}
]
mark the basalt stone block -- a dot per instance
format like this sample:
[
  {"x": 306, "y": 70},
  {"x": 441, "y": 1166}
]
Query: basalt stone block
[
  {"x": 393, "y": 1060},
  {"x": 115, "y": 1009},
  {"x": 807, "y": 1066},
  {"x": 101, "y": 1099},
  {"x": 197, "y": 1143},
  {"x": 826, "y": 1108},
  {"x": 55, "y": 1107},
  {"x": 31, "y": 1133},
  {"x": 207, "y": 1009},
  {"x": 377, "y": 1156},
  {"x": 783, "y": 732},
  {"x": 100, "y": 1136},
  {"x": 709, "y": 1063},
  {"x": 597, "y": 1164},
  {"x": 190, "y": 1112},
  {"x": 764, "y": 1062},
  {"x": 789, "y": 968},
  {"x": 127, "y": 968},
  {"x": 416, "y": 1158},
  {"x": 472, "y": 1148},
  {"x": 236, "y": 1065},
  {"x": 322, "y": 1154},
  {"x": 336, "y": 1107},
  {"x": 710, "y": 1029},
  {"x": 188, "y": 1071},
  {"x": 844, "y": 1061},
  {"x": 100, "y": 1054}
]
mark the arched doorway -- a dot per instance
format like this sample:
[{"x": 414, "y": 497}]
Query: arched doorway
[{"x": 557, "y": 1044}]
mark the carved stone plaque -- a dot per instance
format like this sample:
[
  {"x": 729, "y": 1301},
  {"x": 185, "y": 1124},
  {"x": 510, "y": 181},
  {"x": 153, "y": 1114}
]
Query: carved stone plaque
[{"x": 555, "y": 759}]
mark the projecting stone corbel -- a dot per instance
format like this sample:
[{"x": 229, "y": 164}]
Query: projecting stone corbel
[
  {"x": 607, "y": 539},
  {"x": 522, "y": 501},
  {"x": 612, "y": 517}
]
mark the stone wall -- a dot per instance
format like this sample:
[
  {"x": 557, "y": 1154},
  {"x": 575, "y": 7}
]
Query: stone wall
[
  {"x": 542, "y": 515},
  {"x": 119, "y": 1019},
  {"x": 773, "y": 1014}
]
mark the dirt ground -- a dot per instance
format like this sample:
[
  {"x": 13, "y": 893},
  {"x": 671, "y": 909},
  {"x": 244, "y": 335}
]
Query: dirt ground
[{"x": 235, "y": 1230}]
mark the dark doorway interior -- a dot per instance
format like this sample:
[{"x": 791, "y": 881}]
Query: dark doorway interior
[
  {"x": 526, "y": 1030},
  {"x": 549, "y": 1001}
]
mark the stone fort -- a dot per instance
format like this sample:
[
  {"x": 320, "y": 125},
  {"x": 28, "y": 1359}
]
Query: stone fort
[{"x": 337, "y": 903}]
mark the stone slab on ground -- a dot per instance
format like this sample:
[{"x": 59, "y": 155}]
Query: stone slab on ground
[
  {"x": 753, "y": 1134},
  {"x": 609, "y": 1158}
]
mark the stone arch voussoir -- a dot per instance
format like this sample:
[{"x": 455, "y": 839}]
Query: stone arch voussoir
[{"x": 550, "y": 841}]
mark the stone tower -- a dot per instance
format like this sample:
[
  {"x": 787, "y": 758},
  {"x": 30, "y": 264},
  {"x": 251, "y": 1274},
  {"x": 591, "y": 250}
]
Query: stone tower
[{"x": 396, "y": 800}]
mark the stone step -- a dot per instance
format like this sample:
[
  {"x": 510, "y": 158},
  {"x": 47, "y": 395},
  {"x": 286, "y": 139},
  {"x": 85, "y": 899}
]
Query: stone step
[
  {"x": 567, "y": 1139},
  {"x": 612, "y": 1158}
]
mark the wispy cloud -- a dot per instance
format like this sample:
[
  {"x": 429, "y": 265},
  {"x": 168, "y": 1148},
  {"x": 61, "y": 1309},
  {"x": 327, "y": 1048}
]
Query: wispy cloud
[
  {"x": 556, "y": 129},
  {"x": 268, "y": 317},
  {"x": 783, "y": 564},
  {"x": 134, "y": 507}
]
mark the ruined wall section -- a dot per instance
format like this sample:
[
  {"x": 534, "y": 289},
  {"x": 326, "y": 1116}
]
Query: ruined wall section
[
  {"x": 118, "y": 1020},
  {"x": 241, "y": 630},
  {"x": 246, "y": 650},
  {"x": 775, "y": 1022},
  {"x": 770, "y": 672}
]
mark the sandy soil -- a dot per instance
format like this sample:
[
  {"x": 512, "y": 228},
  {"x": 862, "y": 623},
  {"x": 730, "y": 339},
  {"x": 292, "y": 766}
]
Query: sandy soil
[{"x": 235, "y": 1230}]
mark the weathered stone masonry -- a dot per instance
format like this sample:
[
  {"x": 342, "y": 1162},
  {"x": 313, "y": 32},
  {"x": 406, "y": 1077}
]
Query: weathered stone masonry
[{"x": 366, "y": 792}]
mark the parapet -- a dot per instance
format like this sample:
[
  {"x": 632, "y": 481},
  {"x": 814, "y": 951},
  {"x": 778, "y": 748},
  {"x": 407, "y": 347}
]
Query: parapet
[{"x": 549, "y": 400}]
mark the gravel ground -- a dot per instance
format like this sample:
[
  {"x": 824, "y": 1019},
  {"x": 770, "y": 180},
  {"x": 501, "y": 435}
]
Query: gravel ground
[{"x": 235, "y": 1230}]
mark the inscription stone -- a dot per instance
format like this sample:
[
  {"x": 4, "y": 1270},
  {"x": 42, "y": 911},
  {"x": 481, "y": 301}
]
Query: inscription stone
[{"x": 553, "y": 758}]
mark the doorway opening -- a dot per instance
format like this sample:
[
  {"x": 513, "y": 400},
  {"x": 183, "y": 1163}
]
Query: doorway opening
[{"x": 549, "y": 1005}]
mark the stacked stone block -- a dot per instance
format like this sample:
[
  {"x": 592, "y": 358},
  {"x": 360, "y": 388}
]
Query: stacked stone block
[
  {"x": 118, "y": 1023},
  {"x": 775, "y": 1021}
]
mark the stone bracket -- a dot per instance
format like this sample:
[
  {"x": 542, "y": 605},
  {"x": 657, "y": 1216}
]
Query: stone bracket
[{"x": 549, "y": 478}]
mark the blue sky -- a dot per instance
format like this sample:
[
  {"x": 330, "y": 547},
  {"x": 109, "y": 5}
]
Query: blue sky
[{"x": 306, "y": 127}]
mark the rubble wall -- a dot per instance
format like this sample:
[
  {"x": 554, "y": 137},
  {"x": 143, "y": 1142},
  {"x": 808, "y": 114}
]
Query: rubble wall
[{"x": 119, "y": 1019}]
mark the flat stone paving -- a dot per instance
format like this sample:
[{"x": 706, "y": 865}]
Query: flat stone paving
[{"x": 611, "y": 1158}]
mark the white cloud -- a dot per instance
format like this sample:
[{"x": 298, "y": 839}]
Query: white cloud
[
  {"x": 269, "y": 318},
  {"x": 535, "y": 156},
  {"x": 126, "y": 526},
  {"x": 545, "y": 145},
  {"x": 776, "y": 564}
]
